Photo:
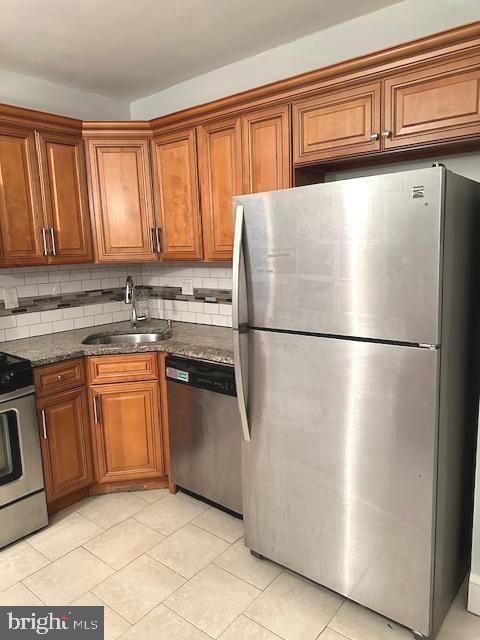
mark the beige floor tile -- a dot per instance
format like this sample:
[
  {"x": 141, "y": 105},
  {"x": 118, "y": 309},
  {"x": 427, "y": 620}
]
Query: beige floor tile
[
  {"x": 330, "y": 634},
  {"x": 19, "y": 596},
  {"x": 123, "y": 543},
  {"x": 239, "y": 561},
  {"x": 164, "y": 624},
  {"x": 138, "y": 588},
  {"x": 360, "y": 623},
  {"x": 293, "y": 608},
  {"x": 245, "y": 629},
  {"x": 151, "y": 495},
  {"x": 111, "y": 508},
  {"x": 68, "y": 577},
  {"x": 221, "y": 524},
  {"x": 64, "y": 535},
  {"x": 169, "y": 514},
  {"x": 17, "y": 562},
  {"x": 188, "y": 550},
  {"x": 212, "y": 599},
  {"x": 459, "y": 623},
  {"x": 114, "y": 625}
]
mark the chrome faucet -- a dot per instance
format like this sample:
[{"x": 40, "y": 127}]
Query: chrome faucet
[{"x": 130, "y": 298}]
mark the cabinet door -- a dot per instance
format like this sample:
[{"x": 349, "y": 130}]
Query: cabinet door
[
  {"x": 220, "y": 172},
  {"x": 266, "y": 150},
  {"x": 65, "y": 440},
  {"x": 21, "y": 216},
  {"x": 62, "y": 164},
  {"x": 433, "y": 104},
  {"x": 336, "y": 124},
  {"x": 127, "y": 434},
  {"x": 122, "y": 199},
  {"x": 176, "y": 191}
]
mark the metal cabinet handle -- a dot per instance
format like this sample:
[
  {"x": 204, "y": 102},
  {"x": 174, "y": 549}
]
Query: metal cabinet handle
[
  {"x": 158, "y": 235},
  {"x": 52, "y": 236},
  {"x": 44, "y": 424},
  {"x": 386, "y": 133},
  {"x": 154, "y": 240},
  {"x": 45, "y": 245},
  {"x": 96, "y": 410},
  {"x": 374, "y": 136},
  {"x": 60, "y": 377}
]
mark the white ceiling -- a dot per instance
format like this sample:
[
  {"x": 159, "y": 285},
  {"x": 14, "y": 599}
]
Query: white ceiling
[{"x": 128, "y": 49}]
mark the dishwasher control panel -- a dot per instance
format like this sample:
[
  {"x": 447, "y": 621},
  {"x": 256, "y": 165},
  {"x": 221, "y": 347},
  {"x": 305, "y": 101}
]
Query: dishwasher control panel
[{"x": 201, "y": 374}]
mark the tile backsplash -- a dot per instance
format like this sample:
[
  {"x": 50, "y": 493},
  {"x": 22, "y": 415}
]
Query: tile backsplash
[{"x": 58, "y": 298}]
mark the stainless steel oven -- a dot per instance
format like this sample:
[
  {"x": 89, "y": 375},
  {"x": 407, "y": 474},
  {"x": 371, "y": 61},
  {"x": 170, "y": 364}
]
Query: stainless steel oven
[{"x": 22, "y": 494}]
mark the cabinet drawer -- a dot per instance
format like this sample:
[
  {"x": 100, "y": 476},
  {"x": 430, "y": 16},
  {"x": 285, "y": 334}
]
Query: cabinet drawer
[
  {"x": 59, "y": 377},
  {"x": 122, "y": 368}
]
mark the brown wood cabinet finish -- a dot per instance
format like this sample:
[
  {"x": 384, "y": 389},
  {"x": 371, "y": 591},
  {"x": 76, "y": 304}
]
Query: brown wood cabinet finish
[
  {"x": 58, "y": 377},
  {"x": 435, "y": 103},
  {"x": 21, "y": 216},
  {"x": 336, "y": 124},
  {"x": 122, "y": 201},
  {"x": 64, "y": 182},
  {"x": 66, "y": 449},
  {"x": 220, "y": 172},
  {"x": 122, "y": 368},
  {"x": 127, "y": 431},
  {"x": 176, "y": 196},
  {"x": 266, "y": 150}
]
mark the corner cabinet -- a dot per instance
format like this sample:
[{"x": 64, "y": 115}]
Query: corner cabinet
[
  {"x": 176, "y": 195},
  {"x": 121, "y": 192},
  {"x": 220, "y": 174},
  {"x": 266, "y": 150}
]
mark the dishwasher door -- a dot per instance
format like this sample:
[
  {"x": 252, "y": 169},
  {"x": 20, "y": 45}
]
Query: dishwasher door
[{"x": 205, "y": 443}]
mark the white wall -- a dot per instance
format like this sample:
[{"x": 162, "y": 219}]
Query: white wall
[
  {"x": 398, "y": 23},
  {"x": 35, "y": 93}
]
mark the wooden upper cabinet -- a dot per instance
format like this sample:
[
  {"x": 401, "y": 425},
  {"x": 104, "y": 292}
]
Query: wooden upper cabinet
[
  {"x": 122, "y": 199},
  {"x": 62, "y": 164},
  {"x": 266, "y": 150},
  {"x": 220, "y": 171},
  {"x": 176, "y": 195},
  {"x": 433, "y": 104},
  {"x": 65, "y": 440},
  {"x": 21, "y": 215},
  {"x": 127, "y": 431},
  {"x": 337, "y": 124}
]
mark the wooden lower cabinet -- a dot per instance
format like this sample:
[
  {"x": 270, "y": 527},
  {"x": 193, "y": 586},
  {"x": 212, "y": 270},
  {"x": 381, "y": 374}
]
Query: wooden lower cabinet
[
  {"x": 65, "y": 441},
  {"x": 126, "y": 427}
]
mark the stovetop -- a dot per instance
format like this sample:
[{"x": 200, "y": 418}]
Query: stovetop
[
  {"x": 15, "y": 373},
  {"x": 12, "y": 363}
]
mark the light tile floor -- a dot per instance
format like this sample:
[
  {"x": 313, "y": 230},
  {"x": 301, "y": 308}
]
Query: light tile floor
[{"x": 173, "y": 568}]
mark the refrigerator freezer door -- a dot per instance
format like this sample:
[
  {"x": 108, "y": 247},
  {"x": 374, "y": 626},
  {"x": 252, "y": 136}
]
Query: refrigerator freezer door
[
  {"x": 356, "y": 258},
  {"x": 343, "y": 434}
]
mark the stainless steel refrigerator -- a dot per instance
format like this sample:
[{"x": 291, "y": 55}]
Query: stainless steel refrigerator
[{"x": 353, "y": 324}]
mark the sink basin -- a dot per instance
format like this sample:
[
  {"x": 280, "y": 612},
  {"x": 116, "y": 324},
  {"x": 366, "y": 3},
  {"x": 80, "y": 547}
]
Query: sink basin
[{"x": 128, "y": 338}]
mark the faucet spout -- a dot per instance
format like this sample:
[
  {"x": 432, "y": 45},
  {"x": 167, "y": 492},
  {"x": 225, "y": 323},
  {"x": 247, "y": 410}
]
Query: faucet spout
[{"x": 130, "y": 298}]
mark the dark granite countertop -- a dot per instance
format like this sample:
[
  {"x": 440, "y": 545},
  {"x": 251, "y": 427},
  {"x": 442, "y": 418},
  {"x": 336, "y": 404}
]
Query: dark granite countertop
[{"x": 192, "y": 340}]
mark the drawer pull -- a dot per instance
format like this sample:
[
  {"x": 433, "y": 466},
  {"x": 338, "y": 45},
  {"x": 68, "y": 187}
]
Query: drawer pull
[{"x": 60, "y": 377}]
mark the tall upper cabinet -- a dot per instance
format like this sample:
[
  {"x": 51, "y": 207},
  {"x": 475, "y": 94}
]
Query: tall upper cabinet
[{"x": 44, "y": 216}]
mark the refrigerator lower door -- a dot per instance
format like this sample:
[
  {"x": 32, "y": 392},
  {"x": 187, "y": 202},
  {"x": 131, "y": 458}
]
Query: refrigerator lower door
[{"x": 339, "y": 474}]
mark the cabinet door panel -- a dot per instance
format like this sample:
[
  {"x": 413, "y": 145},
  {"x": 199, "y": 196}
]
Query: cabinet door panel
[
  {"x": 66, "y": 450},
  {"x": 66, "y": 199},
  {"x": 434, "y": 103},
  {"x": 220, "y": 172},
  {"x": 336, "y": 124},
  {"x": 176, "y": 190},
  {"x": 122, "y": 199},
  {"x": 266, "y": 150},
  {"x": 127, "y": 431},
  {"x": 21, "y": 216}
]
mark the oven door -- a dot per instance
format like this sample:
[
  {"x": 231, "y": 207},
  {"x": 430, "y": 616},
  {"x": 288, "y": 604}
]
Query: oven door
[{"x": 20, "y": 459}]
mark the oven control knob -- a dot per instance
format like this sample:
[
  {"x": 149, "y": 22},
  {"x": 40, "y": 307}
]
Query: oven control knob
[{"x": 5, "y": 379}]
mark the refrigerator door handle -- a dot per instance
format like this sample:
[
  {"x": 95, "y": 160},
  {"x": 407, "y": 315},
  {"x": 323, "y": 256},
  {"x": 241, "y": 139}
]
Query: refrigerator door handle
[{"x": 239, "y": 332}]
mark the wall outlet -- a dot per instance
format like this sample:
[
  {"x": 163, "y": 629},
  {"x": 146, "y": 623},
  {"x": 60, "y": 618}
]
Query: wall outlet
[
  {"x": 11, "y": 298},
  {"x": 187, "y": 287}
]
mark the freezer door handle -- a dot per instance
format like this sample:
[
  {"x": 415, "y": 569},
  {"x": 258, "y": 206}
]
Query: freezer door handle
[
  {"x": 237, "y": 262},
  {"x": 240, "y": 380}
]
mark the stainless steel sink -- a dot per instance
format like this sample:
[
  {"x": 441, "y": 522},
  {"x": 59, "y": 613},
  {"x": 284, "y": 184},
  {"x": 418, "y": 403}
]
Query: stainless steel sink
[{"x": 128, "y": 338}]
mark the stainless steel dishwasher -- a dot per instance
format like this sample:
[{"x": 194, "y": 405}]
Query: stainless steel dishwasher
[{"x": 205, "y": 430}]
